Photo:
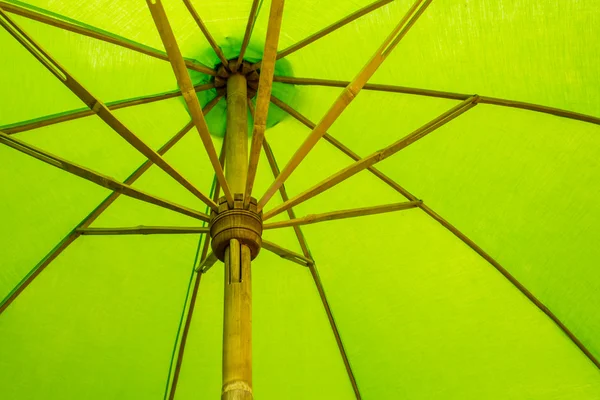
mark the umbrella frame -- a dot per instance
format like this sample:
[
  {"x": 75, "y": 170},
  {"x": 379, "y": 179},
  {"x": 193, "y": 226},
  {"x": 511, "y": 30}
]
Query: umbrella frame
[{"x": 239, "y": 176}]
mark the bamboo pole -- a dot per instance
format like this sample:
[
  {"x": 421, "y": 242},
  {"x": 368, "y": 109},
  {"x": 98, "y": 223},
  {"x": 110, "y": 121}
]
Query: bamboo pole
[
  {"x": 327, "y": 30},
  {"x": 264, "y": 93},
  {"x": 187, "y": 89},
  {"x": 376, "y": 157},
  {"x": 347, "y": 95},
  {"x": 98, "y": 34},
  {"x": 341, "y": 214},
  {"x": 237, "y": 317}
]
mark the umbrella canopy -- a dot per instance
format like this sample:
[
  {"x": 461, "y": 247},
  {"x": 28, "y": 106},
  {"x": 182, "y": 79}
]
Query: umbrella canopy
[{"x": 442, "y": 183}]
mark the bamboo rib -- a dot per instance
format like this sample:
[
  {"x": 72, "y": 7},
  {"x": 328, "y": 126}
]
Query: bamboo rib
[
  {"x": 452, "y": 229},
  {"x": 97, "y": 34},
  {"x": 284, "y": 196},
  {"x": 512, "y": 280},
  {"x": 313, "y": 270},
  {"x": 96, "y": 213},
  {"x": 375, "y": 157},
  {"x": 336, "y": 333},
  {"x": 325, "y": 31},
  {"x": 337, "y": 144},
  {"x": 201, "y": 269},
  {"x": 346, "y": 97},
  {"x": 444, "y": 95},
  {"x": 97, "y": 178},
  {"x": 96, "y": 105},
  {"x": 370, "y": 86},
  {"x": 247, "y": 34},
  {"x": 287, "y": 254},
  {"x": 116, "y": 105},
  {"x": 205, "y": 31},
  {"x": 142, "y": 230},
  {"x": 185, "y": 84},
  {"x": 357, "y": 212},
  {"x": 264, "y": 94},
  {"x": 207, "y": 262},
  {"x": 184, "y": 335}
]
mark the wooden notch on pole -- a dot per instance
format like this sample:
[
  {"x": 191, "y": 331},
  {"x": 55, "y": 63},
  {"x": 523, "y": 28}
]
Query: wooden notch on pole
[
  {"x": 264, "y": 94},
  {"x": 96, "y": 34},
  {"x": 327, "y": 30},
  {"x": 346, "y": 97},
  {"x": 187, "y": 89},
  {"x": 342, "y": 214},
  {"x": 376, "y": 157}
]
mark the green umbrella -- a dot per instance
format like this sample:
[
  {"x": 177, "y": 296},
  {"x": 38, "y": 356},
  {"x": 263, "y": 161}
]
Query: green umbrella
[{"x": 309, "y": 200}]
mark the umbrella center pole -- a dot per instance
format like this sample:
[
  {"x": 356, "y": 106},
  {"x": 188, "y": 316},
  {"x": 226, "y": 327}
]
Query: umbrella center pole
[{"x": 236, "y": 234}]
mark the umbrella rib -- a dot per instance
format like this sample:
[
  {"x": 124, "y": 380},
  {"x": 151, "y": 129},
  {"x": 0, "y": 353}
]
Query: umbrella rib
[
  {"x": 336, "y": 333},
  {"x": 341, "y": 214},
  {"x": 347, "y": 95},
  {"x": 185, "y": 84},
  {"x": 294, "y": 257},
  {"x": 265, "y": 85},
  {"x": 95, "y": 214},
  {"x": 286, "y": 254},
  {"x": 446, "y": 224},
  {"x": 530, "y": 296},
  {"x": 254, "y": 9},
  {"x": 337, "y": 144},
  {"x": 206, "y": 262},
  {"x": 97, "y": 34},
  {"x": 376, "y": 157},
  {"x": 142, "y": 230},
  {"x": 327, "y": 30},
  {"x": 313, "y": 271},
  {"x": 284, "y": 196},
  {"x": 28, "y": 125},
  {"x": 96, "y": 105},
  {"x": 97, "y": 178},
  {"x": 206, "y": 32},
  {"x": 444, "y": 95}
]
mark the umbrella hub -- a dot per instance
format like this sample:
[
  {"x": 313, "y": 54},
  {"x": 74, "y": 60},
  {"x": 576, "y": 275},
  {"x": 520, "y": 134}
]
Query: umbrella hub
[
  {"x": 243, "y": 224},
  {"x": 245, "y": 69}
]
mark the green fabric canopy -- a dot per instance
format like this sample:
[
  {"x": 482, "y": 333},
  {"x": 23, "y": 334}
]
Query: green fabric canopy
[{"x": 503, "y": 305}]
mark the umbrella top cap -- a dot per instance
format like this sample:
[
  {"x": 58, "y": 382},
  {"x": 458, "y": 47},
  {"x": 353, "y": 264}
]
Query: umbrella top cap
[{"x": 245, "y": 68}]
